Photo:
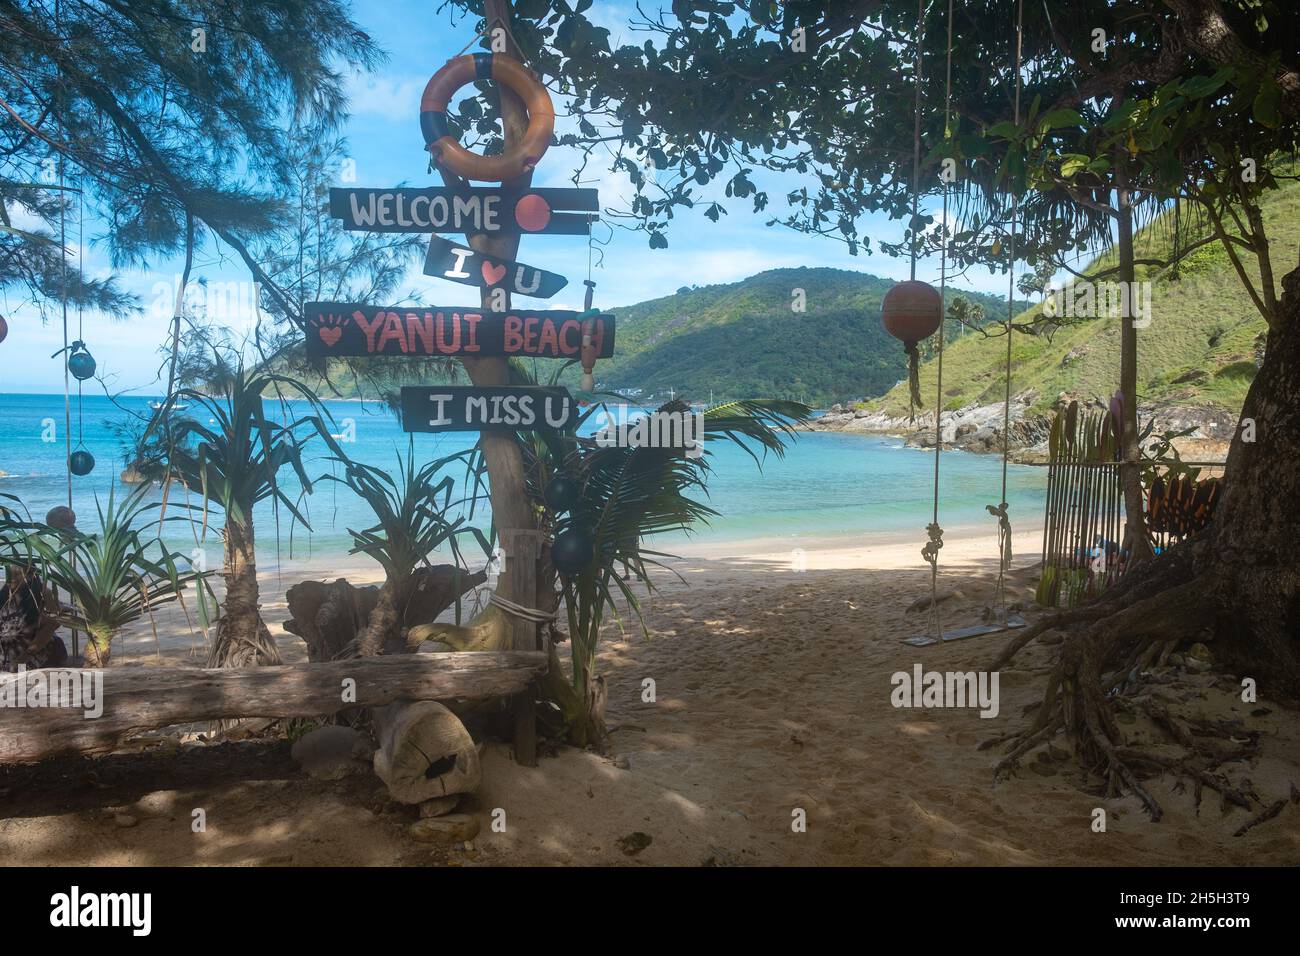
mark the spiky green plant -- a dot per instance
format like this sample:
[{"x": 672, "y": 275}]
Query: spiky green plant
[
  {"x": 630, "y": 494},
  {"x": 234, "y": 463},
  {"x": 113, "y": 576},
  {"x": 411, "y": 514}
]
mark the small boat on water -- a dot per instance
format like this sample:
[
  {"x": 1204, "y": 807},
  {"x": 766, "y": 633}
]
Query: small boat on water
[{"x": 179, "y": 407}]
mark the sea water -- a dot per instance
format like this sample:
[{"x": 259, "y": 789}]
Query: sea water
[{"x": 828, "y": 485}]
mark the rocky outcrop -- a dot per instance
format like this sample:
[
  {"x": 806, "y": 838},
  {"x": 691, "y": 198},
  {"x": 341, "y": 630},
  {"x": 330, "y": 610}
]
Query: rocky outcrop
[
  {"x": 978, "y": 428},
  {"x": 975, "y": 428}
]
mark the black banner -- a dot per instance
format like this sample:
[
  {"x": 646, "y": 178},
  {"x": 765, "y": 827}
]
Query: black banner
[
  {"x": 486, "y": 210},
  {"x": 342, "y": 328},
  {"x": 466, "y": 408}
]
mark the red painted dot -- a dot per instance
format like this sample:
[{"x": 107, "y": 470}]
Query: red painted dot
[{"x": 532, "y": 212}]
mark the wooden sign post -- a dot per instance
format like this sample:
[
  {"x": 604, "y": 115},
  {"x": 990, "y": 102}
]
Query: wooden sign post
[
  {"x": 492, "y": 219},
  {"x": 523, "y": 547}
]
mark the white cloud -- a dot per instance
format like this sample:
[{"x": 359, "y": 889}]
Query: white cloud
[{"x": 395, "y": 98}]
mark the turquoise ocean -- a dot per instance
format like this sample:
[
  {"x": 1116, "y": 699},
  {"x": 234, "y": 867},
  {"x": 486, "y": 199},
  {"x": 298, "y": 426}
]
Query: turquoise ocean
[{"x": 844, "y": 488}]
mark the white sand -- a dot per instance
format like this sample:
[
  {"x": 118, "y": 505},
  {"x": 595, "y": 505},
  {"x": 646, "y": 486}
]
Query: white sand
[{"x": 772, "y": 696}]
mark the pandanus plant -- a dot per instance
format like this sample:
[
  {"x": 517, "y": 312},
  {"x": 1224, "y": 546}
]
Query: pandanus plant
[
  {"x": 629, "y": 494},
  {"x": 411, "y": 523},
  {"x": 112, "y": 577},
  {"x": 234, "y": 462}
]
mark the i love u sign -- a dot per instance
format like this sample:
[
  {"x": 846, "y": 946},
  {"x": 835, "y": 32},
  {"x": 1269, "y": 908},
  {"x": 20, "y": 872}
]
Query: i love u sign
[{"x": 447, "y": 260}]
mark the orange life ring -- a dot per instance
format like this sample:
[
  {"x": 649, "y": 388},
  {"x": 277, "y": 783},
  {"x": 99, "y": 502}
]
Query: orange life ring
[{"x": 515, "y": 162}]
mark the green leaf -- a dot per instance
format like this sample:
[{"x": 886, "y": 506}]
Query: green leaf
[
  {"x": 1266, "y": 104},
  {"x": 1199, "y": 87},
  {"x": 1062, "y": 117},
  {"x": 1073, "y": 163}
]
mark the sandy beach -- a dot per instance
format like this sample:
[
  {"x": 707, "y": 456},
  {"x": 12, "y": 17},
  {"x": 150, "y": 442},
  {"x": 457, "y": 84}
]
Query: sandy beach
[{"x": 772, "y": 679}]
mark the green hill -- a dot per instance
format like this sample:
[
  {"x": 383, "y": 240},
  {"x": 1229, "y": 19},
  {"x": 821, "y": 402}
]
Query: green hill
[
  {"x": 1198, "y": 351},
  {"x": 743, "y": 339}
]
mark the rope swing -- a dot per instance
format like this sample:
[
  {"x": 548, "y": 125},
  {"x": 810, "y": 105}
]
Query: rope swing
[{"x": 1002, "y": 620}]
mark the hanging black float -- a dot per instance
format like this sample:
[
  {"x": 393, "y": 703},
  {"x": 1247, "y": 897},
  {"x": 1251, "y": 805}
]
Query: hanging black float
[
  {"x": 81, "y": 364},
  {"x": 81, "y": 463},
  {"x": 562, "y": 493},
  {"x": 572, "y": 551},
  {"x": 61, "y": 517},
  {"x": 4, "y": 328}
]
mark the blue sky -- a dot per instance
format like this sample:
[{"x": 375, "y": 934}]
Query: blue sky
[{"x": 385, "y": 141}]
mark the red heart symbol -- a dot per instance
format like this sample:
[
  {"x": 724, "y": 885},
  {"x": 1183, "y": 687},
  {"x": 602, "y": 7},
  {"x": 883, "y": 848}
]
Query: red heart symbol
[
  {"x": 493, "y": 274},
  {"x": 330, "y": 335}
]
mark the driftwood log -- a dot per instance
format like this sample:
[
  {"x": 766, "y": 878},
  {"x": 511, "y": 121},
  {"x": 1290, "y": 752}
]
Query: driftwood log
[
  {"x": 136, "y": 699},
  {"x": 330, "y": 615},
  {"x": 424, "y": 752}
]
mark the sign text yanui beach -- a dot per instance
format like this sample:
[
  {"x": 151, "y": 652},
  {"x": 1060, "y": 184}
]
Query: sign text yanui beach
[{"x": 339, "y": 328}]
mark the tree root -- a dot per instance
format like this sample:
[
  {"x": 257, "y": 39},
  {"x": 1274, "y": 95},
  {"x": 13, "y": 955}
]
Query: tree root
[
  {"x": 1147, "y": 581},
  {"x": 1268, "y": 814},
  {"x": 1009, "y": 762},
  {"x": 1108, "y": 645}
]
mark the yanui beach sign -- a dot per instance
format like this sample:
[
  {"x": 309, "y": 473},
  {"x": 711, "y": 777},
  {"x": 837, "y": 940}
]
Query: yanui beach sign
[
  {"x": 344, "y": 329},
  {"x": 472, "y": 210},
  {"x": 451, "y": 408}
]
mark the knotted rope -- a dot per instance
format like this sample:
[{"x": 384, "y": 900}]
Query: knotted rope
[{"x": 520, "y": 611}]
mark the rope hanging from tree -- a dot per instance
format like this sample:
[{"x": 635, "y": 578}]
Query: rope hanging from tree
[
  {"x": 913, "y": 352},
  {"x": 999, "y": 511},
  {"x": 934, "y": 530},
  {"x": 912, "y": 311}
]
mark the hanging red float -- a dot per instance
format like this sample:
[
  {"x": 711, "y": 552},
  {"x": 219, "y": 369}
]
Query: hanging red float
[{"x": 911, "y": 311}]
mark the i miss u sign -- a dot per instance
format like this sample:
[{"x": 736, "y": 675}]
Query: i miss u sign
[{"x": 429, "y": 408}]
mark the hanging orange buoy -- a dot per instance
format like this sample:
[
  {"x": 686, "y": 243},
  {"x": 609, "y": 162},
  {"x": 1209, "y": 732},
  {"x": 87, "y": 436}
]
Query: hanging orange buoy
[
  {"x": 514, "y": 162},
  {"x": 911, "y": 311}
]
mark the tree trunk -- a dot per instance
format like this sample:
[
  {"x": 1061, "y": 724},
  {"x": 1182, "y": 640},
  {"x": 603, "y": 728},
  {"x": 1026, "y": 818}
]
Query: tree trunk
[
  {"x": 505, "y": 464},
  {"x": 425, "y": 752},
  {"x": 242, "y": 640},
  {"x": 330, "y": 616},
  {"x": 385, "y": 619},
  {"x": 99, "y": 643},
  {"x": 141, "y": 698},
  {"x": 1137, "y": 541},
  {"x": 582, "y": 708},
  {"x": 1254, "y": 546}
]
